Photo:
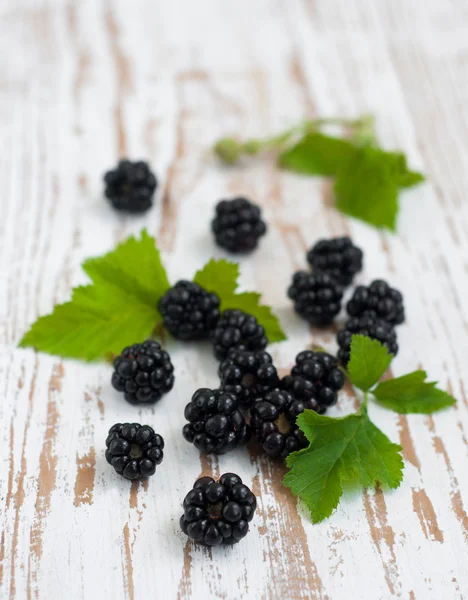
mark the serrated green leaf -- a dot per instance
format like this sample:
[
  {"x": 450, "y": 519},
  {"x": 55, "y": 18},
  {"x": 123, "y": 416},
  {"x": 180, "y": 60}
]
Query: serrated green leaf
[
  {"x": 119, "y": 309},
  {"x": 406, "y": 177},
  {"x": 411, "y": 393},
  {"x": 410, "y": 178},
  {"x": 135, "y": 266},
  {"x": 97, "y": 321},
  {"x": 367, "y": 187},
  {"x": 368, "y": 183},
  {"x": 317, "y": 154},
  {"x": 348, "y": 449},
  {"x": 218, "y": 275},
  {"x": 369, "y": 361}
]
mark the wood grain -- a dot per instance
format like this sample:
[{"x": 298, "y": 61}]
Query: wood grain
[{"x": 82, "y": 84}]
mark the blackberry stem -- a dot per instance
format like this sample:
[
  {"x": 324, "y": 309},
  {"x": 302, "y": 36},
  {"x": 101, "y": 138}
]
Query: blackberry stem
[{"x": 361, "y": 133}]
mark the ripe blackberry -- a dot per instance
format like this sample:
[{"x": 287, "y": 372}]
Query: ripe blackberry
[
  {"x": 247, "y": 375},
  {"x": 237, "y": 329},
  {"x": 369, "y": 325},
  {"x": 218, "y": 512},
  {"x": 238, "y": 225},
  {"x": 130, "y": 187},
  {"x": 189, "y": 311},
  {"x": 379, "y": 297},
  {"x": 273, "y": 422},
  {"x": 144, "y": 372},
  {"x": 134, "y": 450},
  {"x": 215, "y": 422},
  {"x": 303, "y": 390},
  {"x": 317, "y": 298},
  {"x": 322, "y": 371},
  {"x": 337, "y": 257}
]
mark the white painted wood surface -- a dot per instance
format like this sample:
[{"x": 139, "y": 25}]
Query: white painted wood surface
[{"x": 84, "y": 82}]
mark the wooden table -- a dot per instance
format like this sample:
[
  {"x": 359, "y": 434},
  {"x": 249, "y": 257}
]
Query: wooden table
[{"x": 82, "y": 83}]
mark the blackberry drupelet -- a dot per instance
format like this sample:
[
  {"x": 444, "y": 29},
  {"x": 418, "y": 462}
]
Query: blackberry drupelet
[
  {"x": 144, "y": 372},
  {"x": 238, "y": 225},
  {"x": 379, "y": 297},
  {"x": 371, "y": 326},
  {"x": 237, "y": 329},
  {"x": 215, "y": 422},
  {"x": 273, "y": 422},
  {"x": 134, "y": 450},
  {"x": 218, "y": 512},
  {"x": 337, "y": 257},
  {"x": 130, "y": 187},
  {"x": 248, "y": 375},
  {"x": 323, "y": 372},
  {"x": 189, "y": 311},
  {"x": 317, "y": 298}
]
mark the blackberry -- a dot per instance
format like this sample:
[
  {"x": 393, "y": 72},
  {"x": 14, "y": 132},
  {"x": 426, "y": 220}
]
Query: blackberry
[
  {"x": 218, "y": 512},
  {"x": 238, "y": 225},
  {"x": 134, "y": 450},
  {"x": 130, "y": 187},
  {"x": 337, "y": 257},
  {"x": 369, "y": 325},
  {"x": 215, "y": 422},
  {"x": 248, "y": 375},
  {"x": 237, "y": 329},
  {"x": 273, "y": 422},
  {"x": 144, "y": 372},
  {"x": 323, "y": 372},
  {"x": 189, "y": 311},
  {"x": 303, "y": 390},
  {"x": 379, "y": 297},
  {"x": 317, "y": 298}
]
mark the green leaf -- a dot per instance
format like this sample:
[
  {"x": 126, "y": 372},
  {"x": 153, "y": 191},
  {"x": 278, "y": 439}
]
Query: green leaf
[
  {"x": 97, "y": 321},
  {"x": 410, "y": 178},
  {"x": 135, "y": 266},
  {"x": 411, "y": 393},
  {"x": 406, "y": 177},
  {"x": 350, "y": 449},
  {"x": 119, "y": 309},
  {"x": 220, "y": 276},
  {"x": 317, "y": 154},
  {"x": 367, "y": 187},
  {"x": 369, "y": 361}
]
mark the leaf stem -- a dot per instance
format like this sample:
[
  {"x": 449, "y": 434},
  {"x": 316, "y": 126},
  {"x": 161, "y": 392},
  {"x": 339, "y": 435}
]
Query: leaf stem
[
  {"x": 361, "y": 132},
  {"x": 365, "y": 402}
]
